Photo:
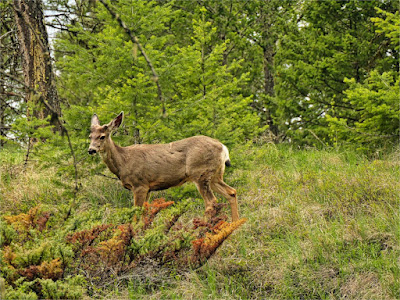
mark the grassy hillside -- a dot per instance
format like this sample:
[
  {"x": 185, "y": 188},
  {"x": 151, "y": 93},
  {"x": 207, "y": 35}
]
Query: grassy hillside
[{"x": 320, "y": 224}]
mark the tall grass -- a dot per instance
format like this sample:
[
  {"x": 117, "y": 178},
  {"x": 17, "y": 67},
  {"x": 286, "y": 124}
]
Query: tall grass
[{"x": 321, "y": 224}]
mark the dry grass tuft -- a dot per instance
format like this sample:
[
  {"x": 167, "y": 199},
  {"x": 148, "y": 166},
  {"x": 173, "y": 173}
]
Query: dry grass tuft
[
  {"x": 28, "y": 185},
  {"x": 363, "y": 286}
]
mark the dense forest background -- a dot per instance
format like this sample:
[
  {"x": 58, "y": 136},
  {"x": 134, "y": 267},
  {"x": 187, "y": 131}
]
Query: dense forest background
[
  {"x": 304, "y": 93},
  {"x": 316, "y": 73}
]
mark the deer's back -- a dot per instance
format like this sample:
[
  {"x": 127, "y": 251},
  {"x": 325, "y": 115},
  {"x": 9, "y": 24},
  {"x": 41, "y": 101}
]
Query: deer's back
[{"x": 173, "y": 163}]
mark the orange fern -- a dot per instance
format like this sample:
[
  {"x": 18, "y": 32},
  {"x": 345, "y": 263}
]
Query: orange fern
[
  {"x": 206, "y": 246},
  {"x": 33, "y": 219},
  {"x": 152, "y": 209},
  {"x": 86, "y": 237},
  {"x": 113, "y": 250},
  {"x": 8, "y": 255},
  {"x": 46, "y": 270}
]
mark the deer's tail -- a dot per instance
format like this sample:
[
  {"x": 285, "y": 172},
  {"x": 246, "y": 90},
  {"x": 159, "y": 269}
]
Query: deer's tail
[{"x": 225, "y": 156}]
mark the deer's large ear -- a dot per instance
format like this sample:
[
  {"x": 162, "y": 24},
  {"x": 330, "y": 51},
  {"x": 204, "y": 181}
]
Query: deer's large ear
[
  {"x": 95, "y": 120},
  {"x": 114, "y": 124}
]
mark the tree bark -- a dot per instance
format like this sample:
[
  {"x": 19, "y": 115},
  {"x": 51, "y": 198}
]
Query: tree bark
[{"x": 36, "y": 59}]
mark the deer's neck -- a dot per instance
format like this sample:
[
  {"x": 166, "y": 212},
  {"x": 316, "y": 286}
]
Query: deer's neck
[{"x": 112, "y": 157}]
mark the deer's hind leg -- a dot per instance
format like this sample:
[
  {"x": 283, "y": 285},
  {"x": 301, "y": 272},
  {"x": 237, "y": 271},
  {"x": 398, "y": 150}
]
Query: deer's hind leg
[
  {"x": 203, "y": 185},
  {"x": 220, "y": 187}
]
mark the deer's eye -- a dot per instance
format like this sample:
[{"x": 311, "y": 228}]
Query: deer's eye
[{"x": 102, "y": 137}]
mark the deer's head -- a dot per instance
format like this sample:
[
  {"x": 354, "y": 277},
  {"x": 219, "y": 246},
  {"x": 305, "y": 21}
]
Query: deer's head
[{"x": 99, "y": 135}]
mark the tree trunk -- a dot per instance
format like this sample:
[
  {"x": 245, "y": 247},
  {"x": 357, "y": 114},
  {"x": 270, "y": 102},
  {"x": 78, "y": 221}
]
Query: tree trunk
[{"x": 36, "y": 60}]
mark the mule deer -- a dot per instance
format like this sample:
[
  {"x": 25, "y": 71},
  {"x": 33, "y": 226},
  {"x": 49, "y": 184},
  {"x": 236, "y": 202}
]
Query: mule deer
[{"x": 144, "y": 168}]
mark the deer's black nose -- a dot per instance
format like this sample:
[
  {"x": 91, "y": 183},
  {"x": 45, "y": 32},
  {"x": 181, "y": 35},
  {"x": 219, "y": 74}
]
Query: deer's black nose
[{"x": 92, "y": 151}]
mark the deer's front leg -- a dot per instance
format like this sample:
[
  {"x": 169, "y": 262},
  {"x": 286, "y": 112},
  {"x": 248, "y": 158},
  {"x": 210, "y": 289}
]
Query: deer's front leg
[{"x": 140, "y": 194}]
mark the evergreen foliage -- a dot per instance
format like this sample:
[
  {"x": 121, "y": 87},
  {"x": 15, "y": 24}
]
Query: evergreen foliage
[
  {"x": 376, "y": 98},
  {"x": 334, "y": 41},
  {"x": 287, "y": 70},
  {"x": 203, "y": 94}
]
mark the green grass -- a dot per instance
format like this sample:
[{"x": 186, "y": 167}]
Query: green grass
[{"x": 321, "y": 225}]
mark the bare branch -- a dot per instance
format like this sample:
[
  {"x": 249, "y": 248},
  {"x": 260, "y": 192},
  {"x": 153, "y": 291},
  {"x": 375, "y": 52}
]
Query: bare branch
[
  {"x": 114, "y": 178},
  {"x": 27, "y": 153},
  {"x": 64, "y": 130},
  {"x": 14, "y": 78},
  {"x": 7, "y": 33}
]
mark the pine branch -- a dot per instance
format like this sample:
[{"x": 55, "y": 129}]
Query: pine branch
[{"x": 135, "y": 40}]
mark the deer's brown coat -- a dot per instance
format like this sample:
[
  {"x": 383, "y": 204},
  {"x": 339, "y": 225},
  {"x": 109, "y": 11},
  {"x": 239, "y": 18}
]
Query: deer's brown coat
[{"x": 143, "y": 168}]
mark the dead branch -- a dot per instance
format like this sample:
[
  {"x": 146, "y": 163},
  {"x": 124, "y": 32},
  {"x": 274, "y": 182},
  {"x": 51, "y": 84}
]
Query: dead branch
[
  {"x": 27, "y": 152},
  {"x": 65, "y": 131},
  {"x": 114, "y": 178}
]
